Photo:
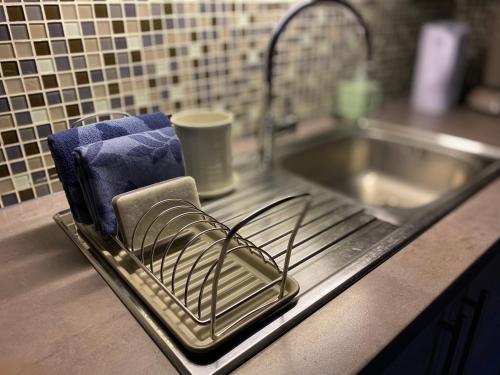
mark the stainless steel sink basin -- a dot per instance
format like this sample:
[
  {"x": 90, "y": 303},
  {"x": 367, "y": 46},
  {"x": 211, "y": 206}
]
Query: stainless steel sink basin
[
  {"x": 392, "y": 170},
  {"x": 383, "y": 173}
]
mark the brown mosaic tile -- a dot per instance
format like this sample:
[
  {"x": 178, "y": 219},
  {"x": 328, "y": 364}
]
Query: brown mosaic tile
[
  {"x": 146, "y": 25},
  {"x": 4, "y": 171},
  {"x": 135, "y": 56},
  {"x": 49, "y": 81},
  {"x": 9, "y": 68},
  {"x": 31, "y": 149},
  {"x": 27, "y": 194},
  {"x": 167, "y": 8},
  {"x": 72, "y": 110},
  {"x": 118, "y": 27},
  {"x": 36, "y": 100},
  {"x": 101, "y": 10},
  {"x": 52, "y": 12},
  {"x": 75, "y": 45},
  {"x": 114, "y": 88},
  {"x": 109, "y": 59},
  {"x": 82, "y": 78},
  {"x": 10, "y": 137},
  {"x": 42, "y": 48}
]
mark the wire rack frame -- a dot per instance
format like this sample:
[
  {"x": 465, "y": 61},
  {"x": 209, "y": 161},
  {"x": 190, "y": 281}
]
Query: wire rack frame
[{"x": 175, "y": 211}]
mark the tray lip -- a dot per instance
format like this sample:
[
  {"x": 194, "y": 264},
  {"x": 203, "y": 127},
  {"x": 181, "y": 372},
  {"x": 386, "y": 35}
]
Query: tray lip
[{"x": 196, "y": 349}]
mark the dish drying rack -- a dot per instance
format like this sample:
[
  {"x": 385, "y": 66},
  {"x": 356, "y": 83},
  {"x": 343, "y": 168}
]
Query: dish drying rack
[
  {"x": 203, "y": 280},
  {"x": 242, "y": 279}
]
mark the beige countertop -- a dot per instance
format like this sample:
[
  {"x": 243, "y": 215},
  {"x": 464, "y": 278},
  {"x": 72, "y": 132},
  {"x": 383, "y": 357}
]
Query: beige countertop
[{"x": 58, "y": 316}]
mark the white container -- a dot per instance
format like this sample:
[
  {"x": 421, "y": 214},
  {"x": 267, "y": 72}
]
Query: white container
[
  {"x": 205, "y": 137},
  {"x": 439, "y": 70}
]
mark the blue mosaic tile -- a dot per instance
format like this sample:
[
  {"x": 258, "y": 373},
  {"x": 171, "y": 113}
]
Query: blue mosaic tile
[
  {"x": 84, "y": 93},
  {"x": 28, "y": 67},
  {"x": 23, "y": 118},
  {"x": 53, "y": 97},
  {"x": 88, "y": 28}
]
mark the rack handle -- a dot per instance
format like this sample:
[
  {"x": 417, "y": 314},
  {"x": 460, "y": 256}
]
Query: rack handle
[
  {"x": 80, "y": 121},
  {"x": 218, "y": 268}
]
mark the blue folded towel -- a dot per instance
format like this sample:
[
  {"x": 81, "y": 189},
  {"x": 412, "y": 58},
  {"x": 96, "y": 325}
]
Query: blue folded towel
[
  {"x": 63, "y": 143},
  {"x": 108, "y": 168}
]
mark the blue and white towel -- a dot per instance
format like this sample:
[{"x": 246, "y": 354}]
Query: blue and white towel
[
  {"x": 63, "y": 143},
  {"x": 118, "y": 165}
]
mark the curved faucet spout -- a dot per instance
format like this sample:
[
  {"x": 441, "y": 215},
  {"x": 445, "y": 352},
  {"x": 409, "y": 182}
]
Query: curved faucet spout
[{"x": 267, "y": 148}]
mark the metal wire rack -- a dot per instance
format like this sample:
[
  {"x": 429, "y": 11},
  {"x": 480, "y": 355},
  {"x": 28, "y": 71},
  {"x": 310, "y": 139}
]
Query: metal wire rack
[{"x": 213, "y": 281}]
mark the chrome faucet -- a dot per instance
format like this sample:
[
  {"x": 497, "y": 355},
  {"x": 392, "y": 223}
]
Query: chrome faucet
[{"x": 270, "y": 126}]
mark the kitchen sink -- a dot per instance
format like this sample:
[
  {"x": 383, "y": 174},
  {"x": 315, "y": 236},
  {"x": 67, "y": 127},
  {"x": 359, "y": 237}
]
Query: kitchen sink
[
  {"x": 373, "y": 188},
  {"x": 396, "y": 172}
]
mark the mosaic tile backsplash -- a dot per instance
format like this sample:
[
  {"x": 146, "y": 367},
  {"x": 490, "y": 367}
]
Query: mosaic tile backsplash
[{"x": 63, "y": 60}]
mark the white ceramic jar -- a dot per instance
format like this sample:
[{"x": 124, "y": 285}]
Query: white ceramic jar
[{"x": 205, "y": 136}]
